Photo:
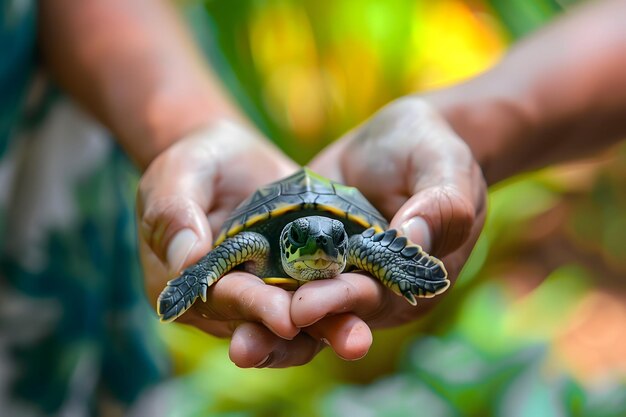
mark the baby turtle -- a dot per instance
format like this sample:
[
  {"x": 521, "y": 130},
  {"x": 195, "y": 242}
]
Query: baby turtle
[{"x": 306, "y": 227}]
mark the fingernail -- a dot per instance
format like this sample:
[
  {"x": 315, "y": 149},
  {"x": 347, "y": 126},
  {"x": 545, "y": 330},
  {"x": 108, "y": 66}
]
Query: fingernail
[
  {"x": 179, "y": 249},
  {"x": 325, "y": 341},
  {"x": 263, "y": 363},
  {"x": 417, "y": 231}
]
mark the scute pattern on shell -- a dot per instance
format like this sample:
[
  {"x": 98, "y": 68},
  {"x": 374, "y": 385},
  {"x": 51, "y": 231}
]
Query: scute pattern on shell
[{"x": 304, "y": 190}]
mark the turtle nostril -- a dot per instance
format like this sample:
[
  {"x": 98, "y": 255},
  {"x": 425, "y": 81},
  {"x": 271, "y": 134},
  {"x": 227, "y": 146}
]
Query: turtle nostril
[{"x": 322, "y": 241}]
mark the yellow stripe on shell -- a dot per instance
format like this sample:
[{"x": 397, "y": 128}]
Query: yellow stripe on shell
[
  {"x": 358, "y": 219},
  {"x": 254, "y": 220},
  {"x": 331, "y": 209},
  {"x": 231, "y": 232},
  {"x": 279, "y": 211},
  {"x": 287, "y": 284}
]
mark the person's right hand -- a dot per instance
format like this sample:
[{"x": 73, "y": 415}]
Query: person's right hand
[
  {"x": 184, "y": 196},
  {"x": 409, "y": 163}
]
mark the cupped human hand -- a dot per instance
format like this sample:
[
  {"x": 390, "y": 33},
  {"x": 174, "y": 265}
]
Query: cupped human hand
[
  {"x": 413, "y": 167},
  {"x": 184, "y": 196}
]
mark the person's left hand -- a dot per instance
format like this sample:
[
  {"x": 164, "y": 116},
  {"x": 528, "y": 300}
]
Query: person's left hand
[
  {"x": 183, "y": 198},
  {"x": 412, "y": 166}
]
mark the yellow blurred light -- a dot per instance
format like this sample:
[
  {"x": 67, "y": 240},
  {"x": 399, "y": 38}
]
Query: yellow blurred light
[
  {"x": 281, "y": 34},
  {"x": 294, "y": 98},
  {"x": 315, "y": 88},
  {"x": 360, "y": 72},
  {"x": 454, "y": 43},
  {"x": 284, "y": 52}
]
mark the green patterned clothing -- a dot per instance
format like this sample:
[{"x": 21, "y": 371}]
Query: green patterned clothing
[{"x": 77, "y": 337}]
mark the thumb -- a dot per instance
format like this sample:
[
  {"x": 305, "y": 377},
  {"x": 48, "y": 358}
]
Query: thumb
[
  {"x": 173, "y": 200},
  {"x": 439, "y": 218},
  {"x": 176, "y": 229}
]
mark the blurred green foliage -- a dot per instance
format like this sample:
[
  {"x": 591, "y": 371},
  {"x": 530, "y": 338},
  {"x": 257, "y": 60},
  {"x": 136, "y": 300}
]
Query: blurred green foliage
[
  {"x": 522, "y": 16},
  {"x": 527, "y": 329},
  {"x": 307, "y": 71}
]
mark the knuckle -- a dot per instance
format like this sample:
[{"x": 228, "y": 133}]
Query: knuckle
[
  {"x": 454, "y": 217},
  {"x": 455, "y": 208},
  {"x": 163, "y": 217},
  {"x": 169, "y": 207},
  {"x": 170, "y": 212}
]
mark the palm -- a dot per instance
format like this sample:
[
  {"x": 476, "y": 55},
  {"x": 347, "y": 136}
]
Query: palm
[
  {"x": 193, "y": 187},
  {"x": 410, "y": 165}
]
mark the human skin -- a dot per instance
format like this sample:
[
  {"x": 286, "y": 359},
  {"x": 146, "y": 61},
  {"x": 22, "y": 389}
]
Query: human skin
[
  {"x": 556, "y": 96},
  {"x": 134, "y": 67},
  {"x": 203, "y": 158}
]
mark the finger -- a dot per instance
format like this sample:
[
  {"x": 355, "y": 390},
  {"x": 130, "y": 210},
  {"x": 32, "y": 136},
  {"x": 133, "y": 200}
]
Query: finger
[
  {"x": 174, "y": 196},
  {"x": 356, "y": 293},
  {"x": 454, "y": 263},
  {"x": 440, "y": 217},
  {"x": 447, "y": 190},
  {"x": 446, "y": 187},
  {"x": 253, "y": 345},
  {"x": 456, "y": 260},
  {"x": 239, "y": 296},
  {"x": 328, "y": 162},
  {"x": 348, "y": 335},
  {"x": 414, "y": 168},
  {"x": 349, "y": 293},
  {"x": 217, "y": 328}
]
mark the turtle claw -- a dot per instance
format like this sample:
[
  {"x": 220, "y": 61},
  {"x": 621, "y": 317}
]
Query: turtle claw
[
  {"x": 402, "y": 266},
  {"x": 179, "y": 295},
  {"x": 410, "y": 298},
  {"x": 167, "y": 308}
]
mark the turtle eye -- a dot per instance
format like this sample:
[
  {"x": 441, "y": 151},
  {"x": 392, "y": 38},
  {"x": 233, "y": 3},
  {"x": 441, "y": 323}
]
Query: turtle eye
[
  {"x": 339, "y": 234},
  {"x": 297, "y": 236}
]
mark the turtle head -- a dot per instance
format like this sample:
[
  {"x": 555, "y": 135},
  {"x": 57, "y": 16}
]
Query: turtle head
[{"x": 313, "y": 247}]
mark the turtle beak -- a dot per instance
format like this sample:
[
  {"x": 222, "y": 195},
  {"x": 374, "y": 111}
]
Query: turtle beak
[
  {"x": 319, "y": 247},
  {"x": 318, "y": 256}
]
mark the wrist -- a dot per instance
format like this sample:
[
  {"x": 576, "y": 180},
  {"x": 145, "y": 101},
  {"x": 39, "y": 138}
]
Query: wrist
[
  {"x": 173, "y": 114},
  {"x": 495, "y": 122}
]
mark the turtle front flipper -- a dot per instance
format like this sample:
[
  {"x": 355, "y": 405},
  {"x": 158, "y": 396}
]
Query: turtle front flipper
[
  {"x": 181, "y": 292},
  {"x": 403, "y": 267}
]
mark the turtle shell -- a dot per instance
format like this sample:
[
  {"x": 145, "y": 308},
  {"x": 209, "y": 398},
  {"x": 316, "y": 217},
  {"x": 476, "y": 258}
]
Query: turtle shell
[{"x": 304, "y": 193}]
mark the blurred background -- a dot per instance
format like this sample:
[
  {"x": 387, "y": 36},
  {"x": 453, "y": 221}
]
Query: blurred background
[{"x": 536, "y": 325}]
